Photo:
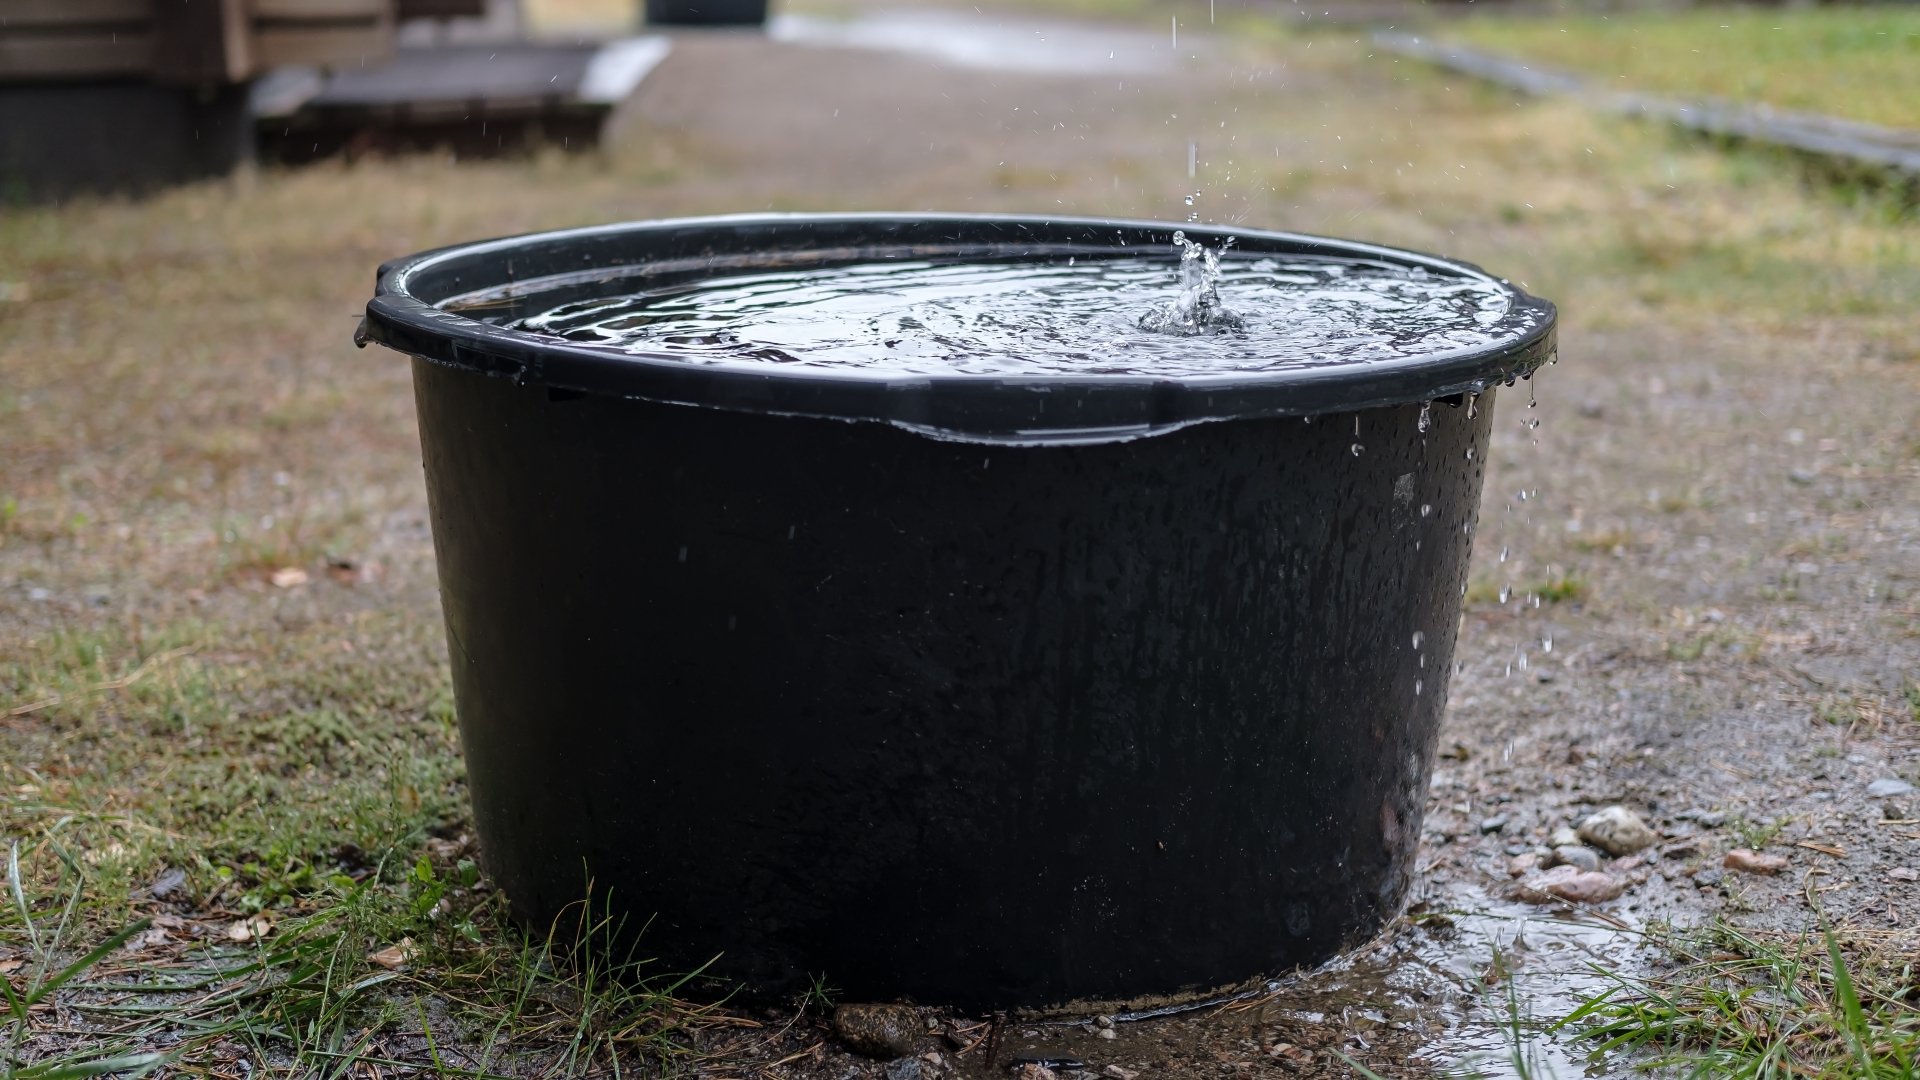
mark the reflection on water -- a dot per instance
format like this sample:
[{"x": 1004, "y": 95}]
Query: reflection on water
[
  {"x": 1044, "y": 317},
  {"x": 983, "y": 41},
  {"x": 1465, "y": 991}
]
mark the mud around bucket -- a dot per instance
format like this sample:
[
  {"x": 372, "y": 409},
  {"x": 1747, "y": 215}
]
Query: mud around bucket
[{"x": 980, "y": 687}]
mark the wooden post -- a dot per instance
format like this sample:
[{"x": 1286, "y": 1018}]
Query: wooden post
[{"x": 201, "y": 41}]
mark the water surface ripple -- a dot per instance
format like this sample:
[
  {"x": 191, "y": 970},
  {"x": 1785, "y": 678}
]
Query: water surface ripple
[{"x": 1044, "y": 317}]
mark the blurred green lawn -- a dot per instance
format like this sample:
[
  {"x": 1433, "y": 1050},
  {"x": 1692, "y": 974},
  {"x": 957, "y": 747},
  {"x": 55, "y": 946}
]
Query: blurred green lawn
[{"x": 1859, "y": 63}]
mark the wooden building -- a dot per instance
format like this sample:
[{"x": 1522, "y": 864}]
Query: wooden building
[{"x": 126, "y": 94}]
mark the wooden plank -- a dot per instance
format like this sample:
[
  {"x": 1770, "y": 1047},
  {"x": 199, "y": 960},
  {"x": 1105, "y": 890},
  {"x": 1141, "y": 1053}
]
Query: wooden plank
[
  {"x": 74, "y": 56},
  {"x": 441, "y": 9},
  {"x": 320, "y": 9},
  {"x": 200, "y": 41},
  {"x": 45, "y": 13},
  {"x": 327, "y": 46}
]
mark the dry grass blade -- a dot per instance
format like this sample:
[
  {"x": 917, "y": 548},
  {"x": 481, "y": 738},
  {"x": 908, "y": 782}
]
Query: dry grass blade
[{"x": 130, "y": 678}]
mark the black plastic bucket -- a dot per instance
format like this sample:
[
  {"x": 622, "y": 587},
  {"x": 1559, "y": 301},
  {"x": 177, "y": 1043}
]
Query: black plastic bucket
[
  {"x": 976, "y": 690},
  {"x": 706, "y": 12}
]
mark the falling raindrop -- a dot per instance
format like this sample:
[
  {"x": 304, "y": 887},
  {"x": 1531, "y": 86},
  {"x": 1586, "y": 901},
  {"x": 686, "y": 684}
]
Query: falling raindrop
[
  {"x": 1473, "y": 406},
  {"x": 1426, "y": 509},
  {"x": 1417, "y": 687},
  {"x": 1506, "y": 593},
  {"x": 1426, "y": 416},
  {"x": 1357, "y": 448},
  {"x": 1418, "y": 638},
  {"x": 1503, "y": 554},
  {"x": 1546, "y": 643}
]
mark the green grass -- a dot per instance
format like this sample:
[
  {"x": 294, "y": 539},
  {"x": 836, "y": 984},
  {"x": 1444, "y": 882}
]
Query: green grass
[
  {"x": 1861, "y": 63},
  {"x": 403, "y": 961},
  {"x": 300, "y": 795},
  {"x": 186, "y": 751},
  {"x": 1556, "y": 589},
  {"x": 1752, "y": 1006},
  {"x": 1754, "y": 835}
]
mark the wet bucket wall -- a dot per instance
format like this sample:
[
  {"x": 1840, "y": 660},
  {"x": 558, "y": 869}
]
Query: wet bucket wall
[{"x": 986, "y": 691}]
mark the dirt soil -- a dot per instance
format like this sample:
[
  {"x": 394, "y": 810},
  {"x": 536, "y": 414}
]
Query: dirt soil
[{"x": 1697, "y": 579}]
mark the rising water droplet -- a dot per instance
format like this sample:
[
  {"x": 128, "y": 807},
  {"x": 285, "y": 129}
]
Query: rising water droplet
[
  {"x": 1358, "y": 449},
  {"x": 1197, "y": 311}
]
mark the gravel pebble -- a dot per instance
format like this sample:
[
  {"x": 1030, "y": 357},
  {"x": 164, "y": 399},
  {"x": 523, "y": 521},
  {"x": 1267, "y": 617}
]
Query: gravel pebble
[
  {"x": 1616, "y": 831},
  {"x": 1753, "y": 862},
  {"x": 1576, "y": 856},
  {"x": 882, "y": 1031},
  {"x": 1568, "y": 883}
]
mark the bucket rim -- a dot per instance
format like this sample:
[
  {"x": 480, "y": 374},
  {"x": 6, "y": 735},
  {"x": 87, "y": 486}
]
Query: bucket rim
[{"x": 407, "y": 313}]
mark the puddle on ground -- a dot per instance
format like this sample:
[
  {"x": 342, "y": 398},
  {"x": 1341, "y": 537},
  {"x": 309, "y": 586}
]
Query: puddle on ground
[
  {"x": 984, "y": 41},
  {"x": 1439, "y": 995}
]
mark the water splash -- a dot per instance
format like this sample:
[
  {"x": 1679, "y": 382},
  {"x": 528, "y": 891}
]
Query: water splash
[
  {"x": 1197, "y": 311},
  {"x": 1074, "y": 314}
]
